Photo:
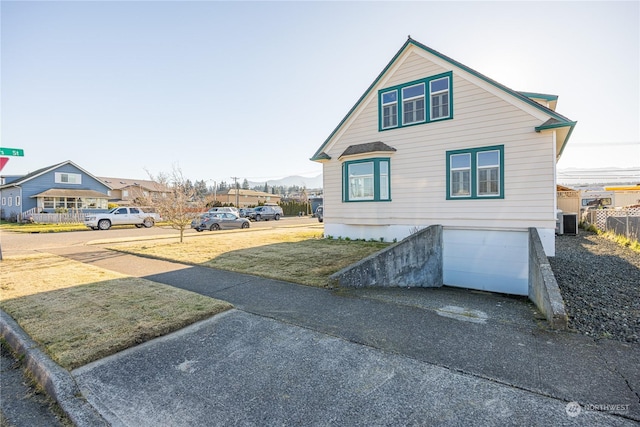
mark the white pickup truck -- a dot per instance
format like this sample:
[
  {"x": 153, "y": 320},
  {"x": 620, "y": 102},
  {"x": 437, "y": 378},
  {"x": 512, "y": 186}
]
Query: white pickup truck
[{"x": 121, "y": 216}]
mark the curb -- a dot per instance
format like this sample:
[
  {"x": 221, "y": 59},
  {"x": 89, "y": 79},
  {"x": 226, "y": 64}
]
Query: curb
[{"x": 55, "y": 380}]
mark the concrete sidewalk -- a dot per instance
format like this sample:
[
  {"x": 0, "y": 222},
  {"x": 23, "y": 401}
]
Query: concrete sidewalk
[{"x": 291, "y": 354}]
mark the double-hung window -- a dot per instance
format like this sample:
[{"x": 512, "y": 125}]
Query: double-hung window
[
  {"x": 366, "y": 180},
  {"x": 439, "y": 90},
  {"x": 460, "y": 174},
  {"x": 416, "y": 102},
  {"x": 413, "y": 104},
  {"x": 476, "y": 173},
  {"x": 390, "y": 109},
  {"x": 488, "y": 163}
]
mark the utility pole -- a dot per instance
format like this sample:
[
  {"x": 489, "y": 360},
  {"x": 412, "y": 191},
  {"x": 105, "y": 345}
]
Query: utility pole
[{"x": 235, "y": 180}]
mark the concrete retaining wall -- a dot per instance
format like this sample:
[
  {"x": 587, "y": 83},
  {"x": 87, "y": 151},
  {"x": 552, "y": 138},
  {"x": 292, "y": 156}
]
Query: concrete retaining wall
[
  {"x": 416, "y": 261},
  {"x": 543, "y": 288}
]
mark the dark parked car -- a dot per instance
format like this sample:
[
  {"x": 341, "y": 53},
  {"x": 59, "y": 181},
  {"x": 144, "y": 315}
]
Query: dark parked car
[
  {"x": 245, "y": 212},
  {"x": 320, "y": 213},
  {"x": 223, "y": 221},
  {"x": 266, "y": 213}
]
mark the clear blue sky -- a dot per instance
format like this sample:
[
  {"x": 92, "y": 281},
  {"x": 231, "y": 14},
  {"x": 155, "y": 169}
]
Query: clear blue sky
[{"x": 252, "y": 89}]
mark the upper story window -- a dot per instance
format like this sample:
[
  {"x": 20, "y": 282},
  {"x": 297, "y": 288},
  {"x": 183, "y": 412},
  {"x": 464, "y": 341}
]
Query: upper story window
[
  {"x": 366, "y": 180},
  {"x": 439, "y": 90},
  {"x": 413, "y": 104},
  {"x": 68, "y": 178},
  {"x": 476, "y": 173},
  {"x": 390, "y": 109},
  {"x": 407, "y": 104}
]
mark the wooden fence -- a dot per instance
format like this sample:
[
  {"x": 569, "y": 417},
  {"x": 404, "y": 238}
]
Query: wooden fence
[{"x": 53, "y": 218}]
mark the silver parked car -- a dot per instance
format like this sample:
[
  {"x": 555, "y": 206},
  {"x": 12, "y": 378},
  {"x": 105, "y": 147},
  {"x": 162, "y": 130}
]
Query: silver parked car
[
  {"x": 200, "y": 219},
  {"x": 223, "y": 221}
]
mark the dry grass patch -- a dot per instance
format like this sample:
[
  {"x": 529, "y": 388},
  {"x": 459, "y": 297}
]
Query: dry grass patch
[
  {"x": 298, "y": 255},
  {"x": 80, "y": 313}
]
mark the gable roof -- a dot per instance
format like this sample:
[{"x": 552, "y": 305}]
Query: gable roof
[
  {"x": 44, "y": 170},
  {"x": 120, "y": 183},
  {"x": 562, "y": 121}
]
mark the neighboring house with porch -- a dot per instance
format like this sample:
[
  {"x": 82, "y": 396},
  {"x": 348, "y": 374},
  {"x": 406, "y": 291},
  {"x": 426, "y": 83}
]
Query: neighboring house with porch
[
  {"x": 434, "y": 142},
  {"x": 61, "y": 187}
]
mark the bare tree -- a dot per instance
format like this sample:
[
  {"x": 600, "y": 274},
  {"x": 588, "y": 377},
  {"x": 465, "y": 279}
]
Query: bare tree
[{"x": 176, "y": 199}]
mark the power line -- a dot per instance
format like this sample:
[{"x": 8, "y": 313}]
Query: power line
[{"x": 608, "y": 144}]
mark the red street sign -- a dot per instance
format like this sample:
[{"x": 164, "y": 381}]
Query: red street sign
[{"x": 3, "y": 161}]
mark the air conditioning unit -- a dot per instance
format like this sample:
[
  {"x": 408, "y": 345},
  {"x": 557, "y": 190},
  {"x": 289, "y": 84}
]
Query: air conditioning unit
[{"x": 570, "y": 223}]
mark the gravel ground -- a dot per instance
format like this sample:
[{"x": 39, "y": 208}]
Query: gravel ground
[{"x": 600, "y": 283}]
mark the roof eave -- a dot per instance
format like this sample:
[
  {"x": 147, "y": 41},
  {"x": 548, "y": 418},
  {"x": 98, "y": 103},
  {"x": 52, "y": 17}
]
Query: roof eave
[
  {"x": 364, "y": 95},
  {"x": 555, "y": 126}
]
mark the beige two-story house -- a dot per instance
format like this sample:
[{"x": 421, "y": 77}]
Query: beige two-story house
[{"x": 433, "y": 141}]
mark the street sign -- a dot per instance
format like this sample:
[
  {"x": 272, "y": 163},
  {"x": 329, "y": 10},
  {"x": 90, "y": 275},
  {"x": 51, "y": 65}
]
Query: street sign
[
  {"x": 18, "y": 152},
  {"x": 3, "y": 161}
]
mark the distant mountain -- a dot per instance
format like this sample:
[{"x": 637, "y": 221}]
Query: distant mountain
[
  {"x": 610, "y": 175},
  {"x": 289, "y": 181}
]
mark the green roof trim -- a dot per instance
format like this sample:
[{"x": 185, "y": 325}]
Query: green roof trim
[
  {"x": 364, "y": 95},
  {"x": 549, "y": 124},
  {"x": 544, "y": 96},
  {"x": 410, "y": 41},
  {"x": 555, "y": 124}
]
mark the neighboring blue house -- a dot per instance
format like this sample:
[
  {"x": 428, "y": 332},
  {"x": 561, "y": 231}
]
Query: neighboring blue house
[{"x": 64, "y": 186}]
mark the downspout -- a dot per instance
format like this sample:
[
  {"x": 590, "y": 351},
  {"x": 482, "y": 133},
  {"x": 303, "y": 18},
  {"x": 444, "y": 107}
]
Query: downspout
[{"x": 555, "y": 173}]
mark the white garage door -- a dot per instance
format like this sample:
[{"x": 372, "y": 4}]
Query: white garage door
[{"x": 496, "y": 261}]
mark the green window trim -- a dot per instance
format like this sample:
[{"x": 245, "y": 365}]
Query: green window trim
[
  {"x": 391, "y": 103},
  {"x": 478, "y": 166},
  {"x": 366, "y": 180}
]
